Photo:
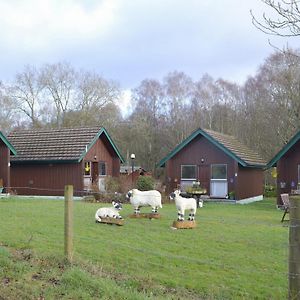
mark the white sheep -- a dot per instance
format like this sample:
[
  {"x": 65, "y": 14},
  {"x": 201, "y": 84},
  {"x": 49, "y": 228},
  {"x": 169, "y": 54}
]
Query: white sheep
[
  {"x": 109, "y": 212},
  {"x": 183, "y": 204},
  {"x": 144, "y": 198}
]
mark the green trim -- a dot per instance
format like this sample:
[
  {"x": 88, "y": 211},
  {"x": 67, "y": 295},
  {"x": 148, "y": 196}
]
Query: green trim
[
  {"x": 213, "y": 141},
  {"x": 284, "y": 150},
  {"x": 94, "y": 140},
  {"x": 8, "y": 144}
]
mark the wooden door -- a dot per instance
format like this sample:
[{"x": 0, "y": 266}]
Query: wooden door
[{"x": 204, "y": 176}]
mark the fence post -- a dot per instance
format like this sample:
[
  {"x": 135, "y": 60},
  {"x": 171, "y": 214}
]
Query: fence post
[
  {"x": 69, "y": 222},
  {"x": 294, "y": 248}
]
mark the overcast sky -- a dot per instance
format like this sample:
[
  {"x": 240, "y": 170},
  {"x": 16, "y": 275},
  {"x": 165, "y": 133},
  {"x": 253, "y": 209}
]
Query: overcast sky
[{"x": 130, "y": 40}]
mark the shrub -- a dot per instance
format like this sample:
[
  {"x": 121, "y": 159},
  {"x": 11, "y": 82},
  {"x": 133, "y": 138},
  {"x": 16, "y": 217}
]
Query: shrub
[
  {"x": 270, "y": 190},
  {"x": 145, "y": 183},
  {"x": 112, "y": 184}
]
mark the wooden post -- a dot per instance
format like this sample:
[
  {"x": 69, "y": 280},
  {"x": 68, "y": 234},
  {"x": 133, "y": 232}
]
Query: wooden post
[
  {"x": 69, "y": 222},
  {"x": 294, "y": 248}
]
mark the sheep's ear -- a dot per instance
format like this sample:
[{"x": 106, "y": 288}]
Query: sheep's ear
[{"x": 113, "y": 203}]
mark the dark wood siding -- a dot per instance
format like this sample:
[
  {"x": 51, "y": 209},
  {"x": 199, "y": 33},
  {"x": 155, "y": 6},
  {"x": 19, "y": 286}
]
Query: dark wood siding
[
  {"x": 45, "y": 179},
  {"x": 102, "y": 151},
  {"x": 287, "y": 170},
  {"x": 250, "y": 182},
  {"x": 4, "y": 164},
  {"x": 198, "y": 149}
]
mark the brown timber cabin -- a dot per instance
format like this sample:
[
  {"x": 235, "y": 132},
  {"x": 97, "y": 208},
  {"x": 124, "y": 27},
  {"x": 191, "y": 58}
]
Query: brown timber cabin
[
  {"x": 47, "y": 160},
  {"x": 221, "y": 163},
  {"x": 287, "y": 161},
  {"x": 6, "y": 149}
]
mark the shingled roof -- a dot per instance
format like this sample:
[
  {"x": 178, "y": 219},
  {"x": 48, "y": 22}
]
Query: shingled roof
[
  {"x": 54, "y": 145},
  {"x": 228, "y": 144}
]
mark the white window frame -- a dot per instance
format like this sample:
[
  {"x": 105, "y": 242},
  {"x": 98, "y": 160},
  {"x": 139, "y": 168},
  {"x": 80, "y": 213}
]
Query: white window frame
[
  {"x": 191, "y": 179},
  {"x": 90, "y": 163},
  {"x": 104, "y": 163},
  {"x": 218, "y": 179}
]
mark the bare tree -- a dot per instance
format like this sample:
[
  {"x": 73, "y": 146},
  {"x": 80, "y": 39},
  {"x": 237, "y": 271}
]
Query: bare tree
[
  {"x": 286, "y": 21},
  {"x": 58, "y": 81},
  {"x": 93, "y": 94},
  {"x": 26, "y": 91}
]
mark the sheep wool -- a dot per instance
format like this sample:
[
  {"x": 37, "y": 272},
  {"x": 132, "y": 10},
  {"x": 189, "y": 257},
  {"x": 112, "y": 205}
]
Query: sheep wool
[{"x": 139, "y": 199}]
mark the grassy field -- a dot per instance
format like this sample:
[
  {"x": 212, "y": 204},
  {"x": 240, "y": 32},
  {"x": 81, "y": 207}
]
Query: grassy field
[{"x": 236, "y": 252}]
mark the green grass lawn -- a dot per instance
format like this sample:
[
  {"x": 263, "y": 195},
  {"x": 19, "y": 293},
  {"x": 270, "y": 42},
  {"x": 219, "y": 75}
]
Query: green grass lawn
[{"x": 236, "y": 252}]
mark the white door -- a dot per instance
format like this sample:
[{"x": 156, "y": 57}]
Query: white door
[
  {"x": 218, "y": 181},
  {"x": 101, "y": 184},
  {"x": 218, "y": 188}
]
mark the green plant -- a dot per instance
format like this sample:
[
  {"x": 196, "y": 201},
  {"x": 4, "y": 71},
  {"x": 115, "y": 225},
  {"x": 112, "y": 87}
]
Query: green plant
[
  {"x": 112, "y": 184},
  {"x": 231, "y": 195},
  {"x": 145, "y": 183},
  {"x": 270, "y": 190}
]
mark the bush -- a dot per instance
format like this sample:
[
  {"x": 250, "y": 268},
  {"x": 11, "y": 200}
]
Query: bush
[
  {"x": 145, "y": 183},
  {"x": 270, "y": 190},
  {"x": 112, "y": 184}
]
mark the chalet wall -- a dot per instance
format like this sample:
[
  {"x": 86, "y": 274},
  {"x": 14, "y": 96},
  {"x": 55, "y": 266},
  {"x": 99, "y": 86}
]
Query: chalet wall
[
  {"x": 287, "y": 171},
  {"x": 4, "y": 161},
  {"x": 250, "y": 182},
  {"x": 45, "y": 179},
  {"x": 199, "y": 148},
  {"x": 102, "y": 151}
]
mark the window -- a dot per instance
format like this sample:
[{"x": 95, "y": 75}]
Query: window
[
  {"x": 189, "y": 172},
  {"x": 218, "y": 171},
  {"x": 87, "y": 168},
  {"x": 102, "y": 168}
]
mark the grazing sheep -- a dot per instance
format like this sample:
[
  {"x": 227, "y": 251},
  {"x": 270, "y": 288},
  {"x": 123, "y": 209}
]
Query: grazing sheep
[
  {"x": 144, "y": 198},
  {"x": 183, "y": 204},
  {"x": 109, "y": 212}
]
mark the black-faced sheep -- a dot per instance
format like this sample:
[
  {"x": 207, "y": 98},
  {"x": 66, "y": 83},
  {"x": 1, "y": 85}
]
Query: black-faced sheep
[
  {"x": 183, "y": 204},
  {"x": 109, "y": 212},
  {"x": 144, "y": 198}
]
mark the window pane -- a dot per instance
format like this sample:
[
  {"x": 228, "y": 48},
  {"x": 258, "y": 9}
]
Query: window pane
[
  {"x": 102, "y": 169},
  {"x": 87, "y": 168},
  {"x": 218, "y": 172},
  {"x": 188, "y": 172}
]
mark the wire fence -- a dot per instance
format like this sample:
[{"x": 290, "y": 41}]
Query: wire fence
[{"x": 154, "y": 255}]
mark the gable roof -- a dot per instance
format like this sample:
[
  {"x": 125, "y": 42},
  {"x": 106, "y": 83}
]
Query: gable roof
[
  {"x": 7, "y": 143},
  {"x": 284, "y": 149},
  {"x": 57, "y": 145},
  {"x": 226, "y": 143}
]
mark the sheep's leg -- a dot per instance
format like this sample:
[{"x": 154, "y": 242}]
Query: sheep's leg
[
  {"x": 192, "y": 215},
  {"x": 154, "y": 209},
  {"x": 137, "y": 210},
  {"x": 180, "y": 216}
]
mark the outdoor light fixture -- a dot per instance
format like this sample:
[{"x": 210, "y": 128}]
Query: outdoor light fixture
[
  {"x": 202, "y": 160},
  {"x": 132, "y": 156}
]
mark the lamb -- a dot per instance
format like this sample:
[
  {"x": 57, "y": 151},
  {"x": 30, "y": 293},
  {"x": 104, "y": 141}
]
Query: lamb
[
  {"x": 144, "y": 198},
  {"x": 183, "y": 204},
  {"x": 109, "y": 212}
]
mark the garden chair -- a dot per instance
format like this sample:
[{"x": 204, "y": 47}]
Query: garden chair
[{"x": 286, "y": 204}]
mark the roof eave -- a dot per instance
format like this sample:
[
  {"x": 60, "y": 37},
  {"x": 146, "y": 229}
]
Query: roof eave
[
  {"x": 94, "y": 140},
  {"x": 8, "y": 144},
  {"x": 283, "y": 150},
  {"x": 210, "y": 138}
]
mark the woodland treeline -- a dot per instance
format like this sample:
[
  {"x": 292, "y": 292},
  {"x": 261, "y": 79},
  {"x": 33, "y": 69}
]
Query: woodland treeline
[{"x": 263, "y": 113}]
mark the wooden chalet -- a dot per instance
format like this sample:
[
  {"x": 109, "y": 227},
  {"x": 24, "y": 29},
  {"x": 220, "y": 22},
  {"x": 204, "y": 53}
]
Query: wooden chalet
[
  {"x": 47, "y": 160},
  {"x": 287, "y": 161},
  {"x": 6, "y": 149},
  {"x": 221, "y": 163}
]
